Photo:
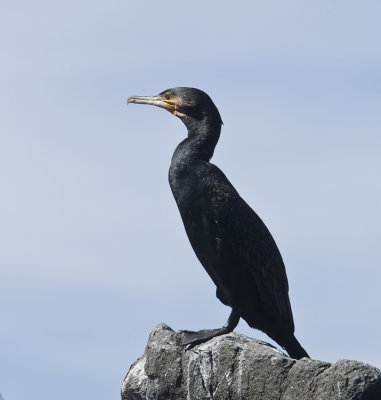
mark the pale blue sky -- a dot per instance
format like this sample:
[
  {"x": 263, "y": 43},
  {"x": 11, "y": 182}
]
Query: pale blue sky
[{"x": 92, "y": 249}]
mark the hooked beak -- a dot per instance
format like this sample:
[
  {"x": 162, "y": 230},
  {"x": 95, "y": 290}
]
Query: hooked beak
[{"x": 157, "y": 101}]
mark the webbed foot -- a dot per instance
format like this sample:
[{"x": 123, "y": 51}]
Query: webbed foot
[{"x": 193, "y": 338}]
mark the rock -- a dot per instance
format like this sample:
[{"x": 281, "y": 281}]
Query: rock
[{"x": 236, "y": 367}]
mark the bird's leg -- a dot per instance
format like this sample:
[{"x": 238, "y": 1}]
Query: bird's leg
[{"x": 194, "y": 338}]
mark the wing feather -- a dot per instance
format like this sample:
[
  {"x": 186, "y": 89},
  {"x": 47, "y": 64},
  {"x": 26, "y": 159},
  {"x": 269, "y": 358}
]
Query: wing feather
[{"x": 250, "y": 244}]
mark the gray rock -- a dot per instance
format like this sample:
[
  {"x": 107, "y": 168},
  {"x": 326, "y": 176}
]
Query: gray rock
[{"x": 236, "y": 367}]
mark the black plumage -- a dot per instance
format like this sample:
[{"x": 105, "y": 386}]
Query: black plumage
[{"x": 230, "y": 240}]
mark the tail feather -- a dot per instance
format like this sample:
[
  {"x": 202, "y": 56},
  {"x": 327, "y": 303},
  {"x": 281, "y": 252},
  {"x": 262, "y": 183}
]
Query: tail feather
[{"x": 294, "y": 348}]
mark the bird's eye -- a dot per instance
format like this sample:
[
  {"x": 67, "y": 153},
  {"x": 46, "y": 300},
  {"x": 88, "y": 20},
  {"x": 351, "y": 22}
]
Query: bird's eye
[{"x": 167, "y": 96}]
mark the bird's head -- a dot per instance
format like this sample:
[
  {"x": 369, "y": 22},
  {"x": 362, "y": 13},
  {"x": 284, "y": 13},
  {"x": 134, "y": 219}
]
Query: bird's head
[{"x": 189, "y": 104}]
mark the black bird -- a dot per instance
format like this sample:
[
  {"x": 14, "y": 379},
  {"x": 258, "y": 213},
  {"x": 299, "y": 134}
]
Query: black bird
[{"x": 230, "y": 240}]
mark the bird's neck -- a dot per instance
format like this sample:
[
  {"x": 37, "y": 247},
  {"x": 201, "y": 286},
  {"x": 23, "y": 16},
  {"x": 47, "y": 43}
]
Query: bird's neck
[{"x": 199, "y": 145}]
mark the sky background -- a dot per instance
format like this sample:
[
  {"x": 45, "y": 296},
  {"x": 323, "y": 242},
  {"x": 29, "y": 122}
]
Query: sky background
[{"x": 93, "y": 253}]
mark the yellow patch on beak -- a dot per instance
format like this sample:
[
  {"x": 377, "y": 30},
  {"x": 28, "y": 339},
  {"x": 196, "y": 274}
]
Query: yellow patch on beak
[
  {"x": 170, "y": 105},
  {"x": 173, "y": 105}
]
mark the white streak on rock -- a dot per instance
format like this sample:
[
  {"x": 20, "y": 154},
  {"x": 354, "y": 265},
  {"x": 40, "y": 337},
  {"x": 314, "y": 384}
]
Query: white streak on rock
[
  {"x": 240, "y": 370},
  {"x": 136, "y": 380}
]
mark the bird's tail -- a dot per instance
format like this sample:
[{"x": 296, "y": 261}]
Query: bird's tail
[{"x": 294, "y": 348}]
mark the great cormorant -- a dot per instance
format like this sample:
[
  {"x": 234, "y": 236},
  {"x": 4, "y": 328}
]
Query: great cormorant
[{"x": 230, "y": 240}]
